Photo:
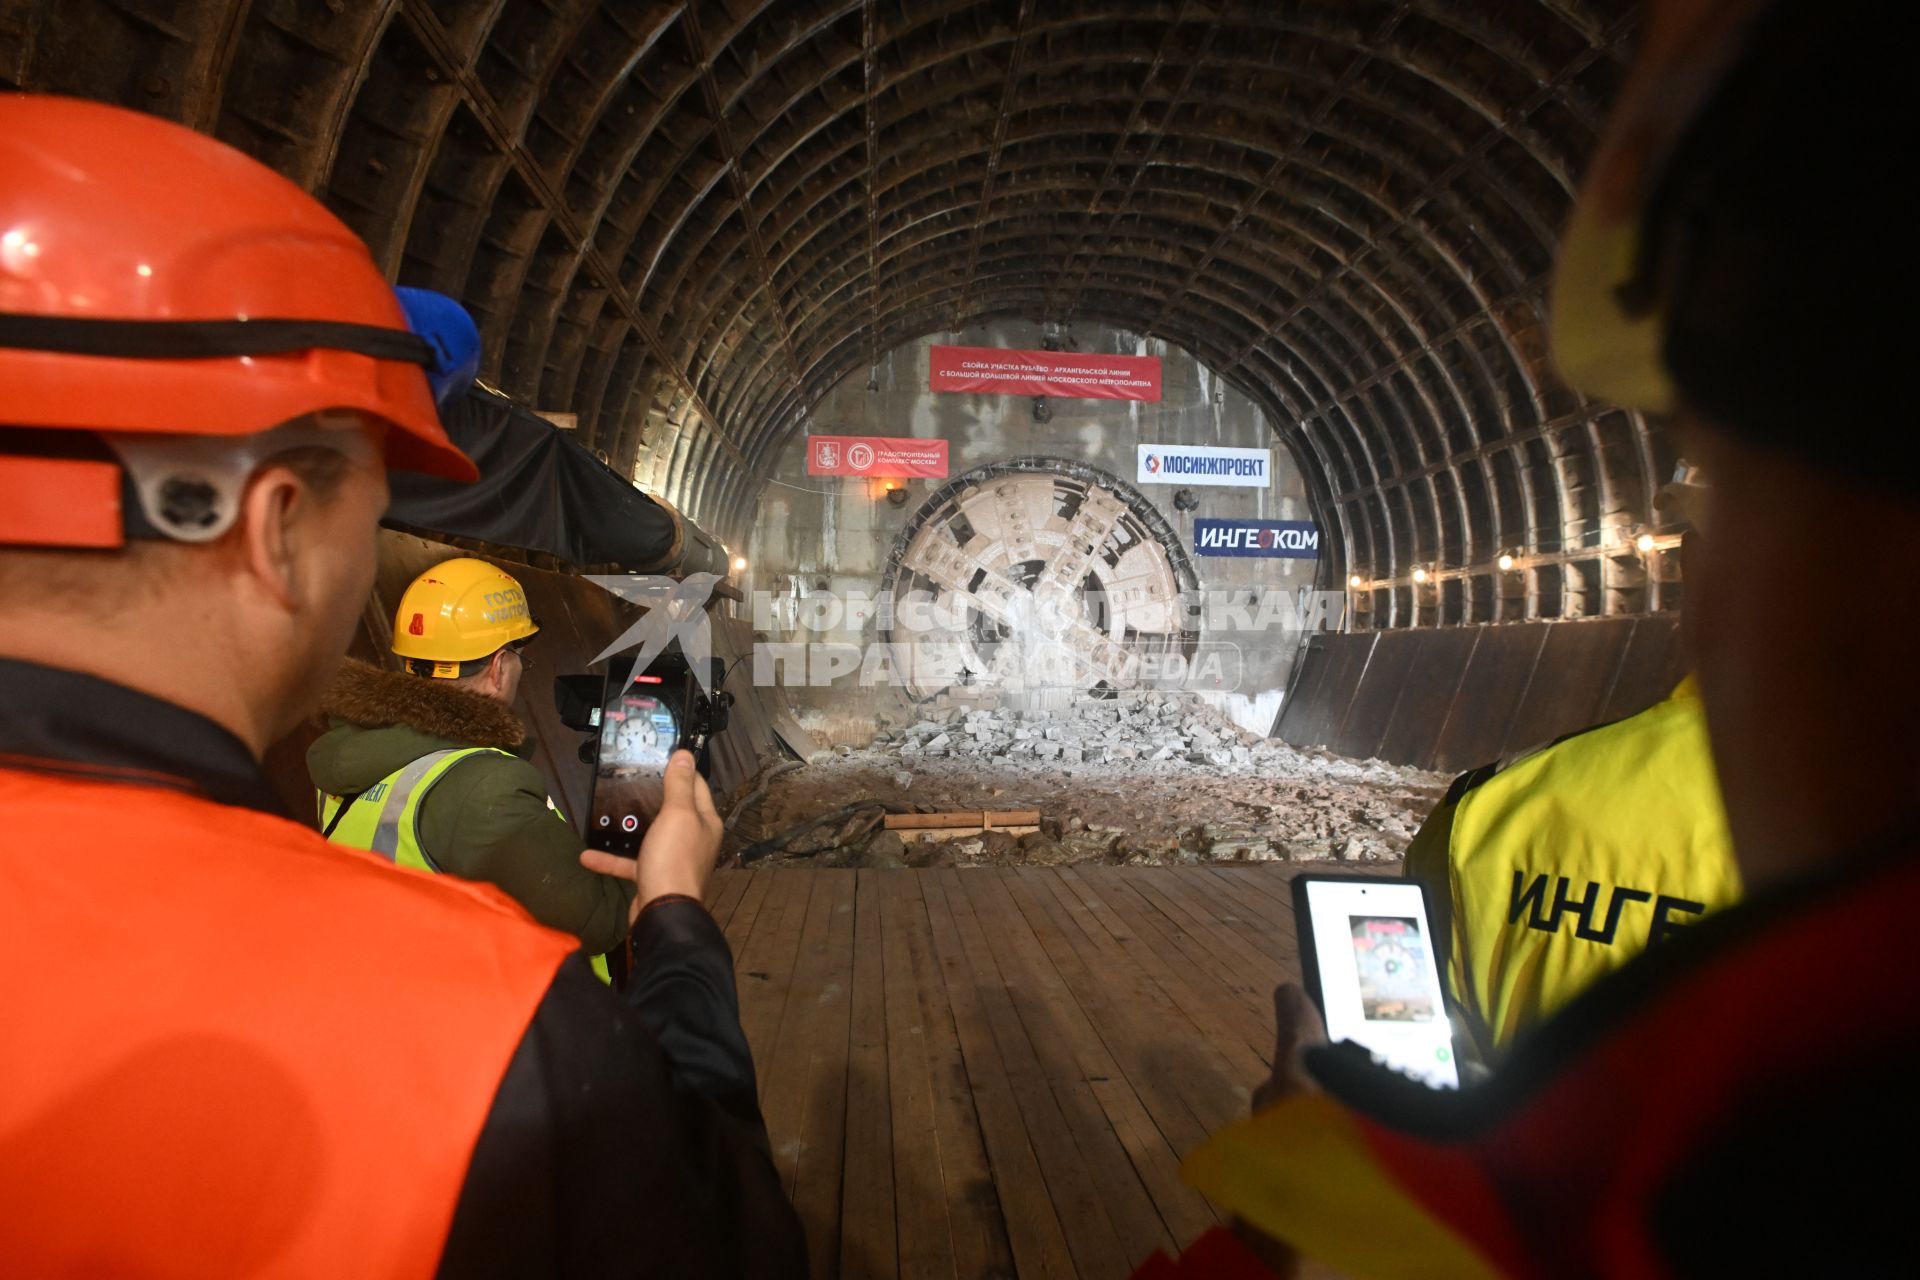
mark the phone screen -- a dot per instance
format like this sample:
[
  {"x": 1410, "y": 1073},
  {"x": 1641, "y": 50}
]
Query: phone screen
[
  {"x": 1375, "y": 958},
  {"x": 638, "y": 732}
]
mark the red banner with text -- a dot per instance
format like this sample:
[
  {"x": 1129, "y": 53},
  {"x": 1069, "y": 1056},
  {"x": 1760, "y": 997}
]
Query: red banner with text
[
  {"x": 1071, "y": 374},
  {"x": 886, "y": 457}
]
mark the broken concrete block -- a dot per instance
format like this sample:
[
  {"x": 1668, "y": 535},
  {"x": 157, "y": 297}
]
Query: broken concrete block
[
  {"x": 998, "y": 845},
  {"x": 886, "y": 851},
  {"x": 930, "y": 853}
]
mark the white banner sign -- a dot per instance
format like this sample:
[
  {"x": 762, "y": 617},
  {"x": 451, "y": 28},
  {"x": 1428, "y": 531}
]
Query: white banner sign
[{"x": 1205, "y": 464}]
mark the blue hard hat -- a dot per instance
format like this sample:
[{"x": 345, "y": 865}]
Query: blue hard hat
[{"x": 452, "y": 335}]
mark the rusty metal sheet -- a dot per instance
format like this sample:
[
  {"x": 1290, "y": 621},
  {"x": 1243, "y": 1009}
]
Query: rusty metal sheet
[
  {"x": 1653, "y": 664},
  {"x": 1569, "y": 687},
  {"x": 1495, "y": 679},
  {"x": 1343, "y": 660},
  {"x": 1304, "y": 700},
  {"x": 1378, "y": 691},
  {"x": 1439, "y": 662},
  {"x": 1350, "y": 657},
  {"x": 1455, "y": 699}
]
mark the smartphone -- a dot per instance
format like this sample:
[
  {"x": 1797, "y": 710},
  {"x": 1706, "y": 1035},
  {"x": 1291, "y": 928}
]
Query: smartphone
[{"x": 1372, "y": 964}]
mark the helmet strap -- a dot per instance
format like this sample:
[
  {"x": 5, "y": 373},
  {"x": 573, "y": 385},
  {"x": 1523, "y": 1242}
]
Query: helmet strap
[{"x": 206, "y": 339}]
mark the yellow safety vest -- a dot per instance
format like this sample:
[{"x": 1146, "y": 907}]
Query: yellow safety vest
[
  {"x": 1560, "y": 868},
  {"x": 385, "y": 817}
]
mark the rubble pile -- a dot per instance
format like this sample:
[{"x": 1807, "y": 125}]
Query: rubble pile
[
  {"x": 1153, "y": 780},
  {"x": 1156, "y": 729}
]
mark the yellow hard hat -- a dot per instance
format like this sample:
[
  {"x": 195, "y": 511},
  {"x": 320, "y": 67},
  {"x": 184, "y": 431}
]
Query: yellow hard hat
[
  {"x": 459, "y": 611},
  {"x": 1607, "y": 321}
]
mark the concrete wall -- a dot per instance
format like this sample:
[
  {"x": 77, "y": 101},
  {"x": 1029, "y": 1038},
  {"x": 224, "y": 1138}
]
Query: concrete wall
[{"x": 835, "y": 535}]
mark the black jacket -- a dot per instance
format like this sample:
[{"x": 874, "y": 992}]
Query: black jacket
[{"x": 625, "y": 1138}]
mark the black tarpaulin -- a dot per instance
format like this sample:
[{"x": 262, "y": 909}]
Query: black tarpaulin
[{"x": 538, "y": 491}]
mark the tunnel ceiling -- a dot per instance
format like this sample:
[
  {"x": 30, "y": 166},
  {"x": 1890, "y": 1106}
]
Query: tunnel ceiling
[{"x": 685, "y": 223}]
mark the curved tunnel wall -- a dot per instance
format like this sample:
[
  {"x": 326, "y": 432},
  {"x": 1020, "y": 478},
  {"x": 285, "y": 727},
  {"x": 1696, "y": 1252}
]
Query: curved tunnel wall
[{"x": 685, "y": 223}]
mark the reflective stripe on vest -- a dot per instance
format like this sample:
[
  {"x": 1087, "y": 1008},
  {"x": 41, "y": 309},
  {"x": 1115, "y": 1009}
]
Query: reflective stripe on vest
[{"x": 386, "y": 818}]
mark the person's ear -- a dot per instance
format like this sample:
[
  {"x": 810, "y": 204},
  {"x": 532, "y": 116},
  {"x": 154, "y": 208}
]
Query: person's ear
[
  {"x": 274, "y": 526},
  {"x": 497, "y": 673}
]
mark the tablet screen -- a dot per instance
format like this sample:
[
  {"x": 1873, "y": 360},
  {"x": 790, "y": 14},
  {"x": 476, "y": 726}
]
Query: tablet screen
[{"x": 1379, "y": 973}]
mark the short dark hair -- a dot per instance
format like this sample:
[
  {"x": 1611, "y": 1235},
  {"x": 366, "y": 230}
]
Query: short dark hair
[{"x": 322, "y": 470}]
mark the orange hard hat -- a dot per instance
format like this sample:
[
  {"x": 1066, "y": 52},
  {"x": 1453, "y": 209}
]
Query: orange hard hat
[{"x": 156, "y": 281}]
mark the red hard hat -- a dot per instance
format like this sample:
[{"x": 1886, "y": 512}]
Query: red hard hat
[{"x": 243, "y": 303}]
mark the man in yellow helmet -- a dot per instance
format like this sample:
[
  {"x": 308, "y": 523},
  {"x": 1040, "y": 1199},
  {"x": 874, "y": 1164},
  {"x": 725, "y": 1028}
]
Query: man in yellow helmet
[{"x": 427, "y": 766}]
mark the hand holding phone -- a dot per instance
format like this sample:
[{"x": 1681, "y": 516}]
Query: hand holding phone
[
  {"x": 1372, "y": 965},
  {"x": 681, "y": 847}
]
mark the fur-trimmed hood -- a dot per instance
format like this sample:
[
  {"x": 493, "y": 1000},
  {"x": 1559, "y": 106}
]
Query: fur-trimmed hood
[
  {"x": 383, "y": 720},
  {"x": 366, "y": 696}
]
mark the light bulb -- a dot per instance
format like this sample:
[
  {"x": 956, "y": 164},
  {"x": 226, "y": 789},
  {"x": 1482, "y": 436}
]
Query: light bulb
[
  {"x": 1354, "y": 581},
  {"x": 1645, "y": 543},
  {"x": 739, "y": 564},
  {"x": 1506, "y": 563},
  {"x": 1419, "y": 575}
]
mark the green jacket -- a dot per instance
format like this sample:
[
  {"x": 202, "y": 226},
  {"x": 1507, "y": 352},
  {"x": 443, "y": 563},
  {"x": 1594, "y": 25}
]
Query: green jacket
[{"x": 489, "y": 818}]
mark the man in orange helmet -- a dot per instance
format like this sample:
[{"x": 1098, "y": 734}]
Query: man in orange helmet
[
  {"x": 231, "y": 1048},
  {"x": 1738, "y": 1100}
]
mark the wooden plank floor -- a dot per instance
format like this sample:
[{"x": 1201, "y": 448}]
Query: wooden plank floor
[{"x": 995, "y": 1072}]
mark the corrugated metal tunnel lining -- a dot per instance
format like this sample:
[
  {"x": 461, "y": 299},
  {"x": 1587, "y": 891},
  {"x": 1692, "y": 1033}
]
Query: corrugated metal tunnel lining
[{"x": 685, "y": 223}]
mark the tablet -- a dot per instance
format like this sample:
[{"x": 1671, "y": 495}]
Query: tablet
[{"x": 1372, "y": 964}]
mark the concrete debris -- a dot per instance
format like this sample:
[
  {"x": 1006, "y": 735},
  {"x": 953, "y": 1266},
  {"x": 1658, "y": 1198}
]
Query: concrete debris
[
  {"x": 1158, "y": 779},
  {"x": 885, "y": 850}
]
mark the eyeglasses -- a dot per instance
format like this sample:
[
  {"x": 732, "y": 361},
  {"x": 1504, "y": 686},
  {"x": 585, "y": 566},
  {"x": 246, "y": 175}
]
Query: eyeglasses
[{"x": 526, "y": 663}]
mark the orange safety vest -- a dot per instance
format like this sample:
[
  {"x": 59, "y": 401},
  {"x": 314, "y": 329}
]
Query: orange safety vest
[{"x": 228, "y": 1047}]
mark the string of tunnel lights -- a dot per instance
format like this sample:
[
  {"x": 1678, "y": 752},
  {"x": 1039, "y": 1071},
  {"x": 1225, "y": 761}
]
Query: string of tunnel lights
[{"x": 1646, "y": 544}]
